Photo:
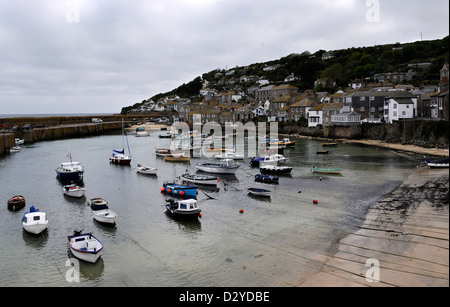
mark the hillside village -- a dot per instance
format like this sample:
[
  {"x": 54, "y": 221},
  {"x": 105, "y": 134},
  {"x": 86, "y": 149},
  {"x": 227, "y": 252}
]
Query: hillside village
[{"x": 316, "y": 97}]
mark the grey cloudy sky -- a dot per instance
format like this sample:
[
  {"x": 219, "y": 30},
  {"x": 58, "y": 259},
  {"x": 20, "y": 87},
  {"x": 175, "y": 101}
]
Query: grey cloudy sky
[{"x": 97, "y": 56}]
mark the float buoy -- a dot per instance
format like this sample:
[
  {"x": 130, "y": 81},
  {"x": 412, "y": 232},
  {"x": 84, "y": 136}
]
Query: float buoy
[
  {"x": 241, "y": 211},
  {"x": 315, "y": 201},
  {"x": 163, "y": 189},
  {"x": 299, "y": 191},
  {"x": 169, "y": 190},
  {"x": 200, "y": 215},
  {"x": 182, "y": 193}
]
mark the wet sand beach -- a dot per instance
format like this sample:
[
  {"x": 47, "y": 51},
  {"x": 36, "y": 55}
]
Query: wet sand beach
[{"x": 405, "y": 236}]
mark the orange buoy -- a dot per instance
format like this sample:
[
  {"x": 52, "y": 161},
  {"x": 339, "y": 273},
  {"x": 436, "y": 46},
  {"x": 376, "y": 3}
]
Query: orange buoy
[
  {"x": 199, "y": 215},
  {"x": 169, "y": 190},
  {"x": 241, "y": 211},
  {"x": 163, "y": 189},
  {"x": 181, "y": 193},
  {"x": 315, "y": 201}
]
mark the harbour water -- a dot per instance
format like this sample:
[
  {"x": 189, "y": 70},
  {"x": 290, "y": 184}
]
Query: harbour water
[{"x": 275, "y": 242}]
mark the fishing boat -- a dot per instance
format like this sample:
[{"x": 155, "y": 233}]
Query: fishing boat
[
  {"x": 34, "y": 221},
  {"x": 200, "y": 179},
  {"x": 13, "y": 149},
  {"x": 177, "y": 157},
  {"x": 180, "y": 189},
  {"x": 285, "y": 142},
  {"x": 165, "y": 136},
  {"x": 326, "y": 170},
  {"x": 227, "y": 166},
  {"x": 162, "y": 151},
  {"x": 329, "y": 144},
  {"x": 275, "y": 169},
  {"x": 187, "y": 208},
  {"x": 73, "y": 190},
  {"x": 229, "y": 155},
  {"x": 105, "y": 216},
  {"x": 146, "y": 170},
  {"x": 259, "y": 192},
  {"x": 441, "y": 163},
  {"x": 70, "y": 171},
  {"x": 266, "y": 178},
  {"x": 273, "y": 160},
  {"x": 85, "y": 246},
  {"x": 98, "y": 203},
  {"x": 119, "y": 156},
  {"x": 16, "y": 202}
]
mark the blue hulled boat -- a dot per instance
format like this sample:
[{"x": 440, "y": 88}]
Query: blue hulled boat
[
  {"x": 70, "y": 171},
  {"x": 180, "y": 189}
]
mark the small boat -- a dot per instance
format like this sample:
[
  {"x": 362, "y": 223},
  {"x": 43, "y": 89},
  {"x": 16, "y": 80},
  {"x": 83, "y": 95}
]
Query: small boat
[
  {"x": 177, "y": 157},
  {"x": 85, "y": 246},
  {"x": 226, "y": 167},
  {"x": 19, "y": 141},
  {"x": 259, "y": 192},
  {"x": 14, "y": 149},
  {"x": 146, "y": 170},
  {"x": 162, "y": 151},
  {"x": 329, "y": 144},
  {"x": 165, "y": 136},
  {"x": 16, "y": 202},
  {"x": 441, "y": 163},
  {"x": 180, "y": 189},
  {"x": 105, "y": 216},
  {"x": 266, "y": 178},
  {"x": 285, "y": 142},
  {"x": 274, "y": 159},
  {"x": 187, "y": 208},
  {"x": 200, "y": 179},
  {"x": 326, "y": 170},
  {"x": 140, "y": 131},
  {"x": 119, "y": 156},
  {"x": 34, "y": 221},
  {"x": 70, "y": 171},
  {"x": 275, "y": 169},
  {"x": 73, "y": 190},
  {"x": 322, "y": 152},
  {"x": 99, "y": 203}
]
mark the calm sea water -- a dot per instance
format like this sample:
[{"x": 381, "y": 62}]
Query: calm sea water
[{"x": 275, "y": 242}]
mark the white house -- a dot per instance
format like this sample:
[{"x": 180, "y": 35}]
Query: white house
[
  {"x": 315, "y": 115},
  {"x": 346, "y": 117},
  {"x": 401, "y": 105}
]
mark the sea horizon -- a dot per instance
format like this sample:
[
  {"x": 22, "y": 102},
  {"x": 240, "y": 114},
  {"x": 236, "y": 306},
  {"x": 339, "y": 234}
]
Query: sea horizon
[{"x": 52, "y": 114}]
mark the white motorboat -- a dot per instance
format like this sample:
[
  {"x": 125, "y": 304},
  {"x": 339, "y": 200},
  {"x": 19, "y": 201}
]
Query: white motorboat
[
  {"x": 200, "y": 179},
  {"x": 105, "y": 216},
  {"x": 85, "y": 246},
  {"x": 34, "y": 221},
  {"x": 19, "y": 141},
  {"x": 187, "y": 208},
  {"x": 70, "y": 171},
  {"x": 275, "y": 169},
  {"x": 73, "y": 190},
  {"x": 146, "y": 170},
  {"x": 273, "y": 160},
  {"x": 14, "y": 149},
  {"x": 441, "y": 163},
  {"x": 227, "y": 166}
]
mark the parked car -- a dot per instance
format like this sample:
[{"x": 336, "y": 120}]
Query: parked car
[
  {"x": 16, "y": 128},
  {"x": 27, "y": 127},
  {"x": 40, "y": 126},
  {"x": 97, "y": 120}
]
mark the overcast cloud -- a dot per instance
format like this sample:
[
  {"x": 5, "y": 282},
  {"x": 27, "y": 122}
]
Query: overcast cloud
[{"x": 121, "y": 52}]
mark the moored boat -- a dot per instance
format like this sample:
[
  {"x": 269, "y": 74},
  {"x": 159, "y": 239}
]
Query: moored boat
[
  {"x": 273, "y": 160},
  {"x": 266, "y": 178},
  {"x": 98, "y": 203},
  {"x": 259, "y": 192},
  {"x": 85, "y": 246},
  {"x": 322, "y": 152},
  {"x": 180, "y": 189},
  {"x": 229, "y": 155},
  {"x": 187, "y": 208},
  {"x": 227, "y": 166},
  {"x": 275, "y": 169},
  {"x": 119, "y": 156},
  {"x": 146, "y": 170},
  {"x": 34, "y": 221},
  {"x": 105, "y": 216},
  {"x": 200, "y": 179},
  {"x": 322, "y": 170},
  {"x": 73, "y": 190},
  {"x": 16, "y": 202},
  {"x": 441, "y": 163},
  {"x": 329, "y": 144},
  {"x": 177, "y": 157},
  {"x": 70, "y": 171}
]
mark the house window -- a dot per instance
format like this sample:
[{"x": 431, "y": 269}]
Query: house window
[
  {"x": 362, "y": 109},
  {"x": 395, "y": 113},
  {"x": 395, "y": 106},
  {"x": 372, "y": 109},
  {"x": 362, "y": 99}
]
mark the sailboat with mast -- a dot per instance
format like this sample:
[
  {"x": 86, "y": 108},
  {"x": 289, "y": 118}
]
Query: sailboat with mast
[{"x": 119, "y": 156}]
